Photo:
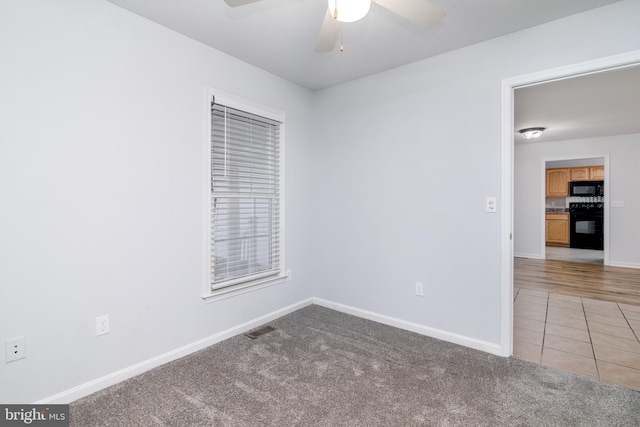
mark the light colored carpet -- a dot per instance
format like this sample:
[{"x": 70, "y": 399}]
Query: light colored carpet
[{"x": 325, "y": 368}]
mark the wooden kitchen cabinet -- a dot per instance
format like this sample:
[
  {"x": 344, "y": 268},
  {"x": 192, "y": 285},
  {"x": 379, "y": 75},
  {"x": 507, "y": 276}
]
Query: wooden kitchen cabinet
[
  {"x": 557, "y": 182},
  {"x": 596, "y": 173},
  {"x": 580, "y": 174},
  {"x": 587, "y": 173},
  {"x": 557, "y": 229}
]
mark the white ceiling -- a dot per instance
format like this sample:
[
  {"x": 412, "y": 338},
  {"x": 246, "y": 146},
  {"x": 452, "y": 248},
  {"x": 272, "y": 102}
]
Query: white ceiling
[
  {"x": 279, "y": 36},
  {"x": 595, "y": 105}
]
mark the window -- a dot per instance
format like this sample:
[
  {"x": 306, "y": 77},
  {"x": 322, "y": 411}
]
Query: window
[{"x": 244, "y": 195}]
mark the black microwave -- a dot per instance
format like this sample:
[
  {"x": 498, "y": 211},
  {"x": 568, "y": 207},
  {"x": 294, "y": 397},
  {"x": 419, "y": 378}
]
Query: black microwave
[{"x": 587, "y": 188}]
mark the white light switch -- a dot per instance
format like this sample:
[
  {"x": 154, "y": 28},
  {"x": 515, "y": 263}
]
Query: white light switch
[
  {"x": 491, "y": 205},
  {"x": 617, "y": 203}
]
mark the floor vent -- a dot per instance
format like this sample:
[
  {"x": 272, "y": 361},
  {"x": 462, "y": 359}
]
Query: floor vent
[{"x": 258, "y": 332}]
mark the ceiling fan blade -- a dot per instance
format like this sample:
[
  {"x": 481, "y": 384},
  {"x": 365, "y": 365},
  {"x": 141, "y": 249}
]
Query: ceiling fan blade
[
  {"x": 329, "y": 33},
  {"x": 419, "y": 12},
  {"x": 236, "y": 3}
]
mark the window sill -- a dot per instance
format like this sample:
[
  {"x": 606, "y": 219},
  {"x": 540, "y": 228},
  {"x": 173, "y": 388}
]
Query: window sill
[{"x": 243, "y": 288}]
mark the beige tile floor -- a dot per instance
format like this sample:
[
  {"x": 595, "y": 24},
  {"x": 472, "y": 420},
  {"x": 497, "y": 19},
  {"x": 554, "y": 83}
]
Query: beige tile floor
[
  {"x": 574, "y": 254},
  {"x": 599, "y": 339}
]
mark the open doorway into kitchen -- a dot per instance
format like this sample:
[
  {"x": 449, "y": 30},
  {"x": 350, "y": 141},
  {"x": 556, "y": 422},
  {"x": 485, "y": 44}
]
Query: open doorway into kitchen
[
  {"x": 562, "y": 313},
  {"x": 574, "y": 210}
]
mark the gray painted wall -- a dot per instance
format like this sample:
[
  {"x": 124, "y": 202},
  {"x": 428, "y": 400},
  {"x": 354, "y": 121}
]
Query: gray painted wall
[
  {"x": 101, "y": 178},
  {"x": 405, "y": 160}
]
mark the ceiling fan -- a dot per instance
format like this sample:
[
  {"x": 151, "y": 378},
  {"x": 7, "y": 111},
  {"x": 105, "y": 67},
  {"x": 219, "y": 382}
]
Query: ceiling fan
[{"x": 420, "y": 12}]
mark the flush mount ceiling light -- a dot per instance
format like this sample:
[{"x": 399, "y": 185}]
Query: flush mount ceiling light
[
  {"x": 349, "y": 10},
  {"x": 530, "y": 133}
]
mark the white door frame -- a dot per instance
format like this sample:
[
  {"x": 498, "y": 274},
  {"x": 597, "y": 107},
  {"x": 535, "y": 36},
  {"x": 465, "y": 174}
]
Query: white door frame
[{"x": 609, "y": 63}]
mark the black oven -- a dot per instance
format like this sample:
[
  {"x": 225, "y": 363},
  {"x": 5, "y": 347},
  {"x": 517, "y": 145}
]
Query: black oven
[
  {"x": 586, "y": 221},
  {"x": 587, "y": 188}
]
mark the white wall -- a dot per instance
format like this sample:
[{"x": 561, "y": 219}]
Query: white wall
[
  {"x": 101, "y": 133},
  {"x": 405, "y": 160},
  {"x": 624, "y": 175}
]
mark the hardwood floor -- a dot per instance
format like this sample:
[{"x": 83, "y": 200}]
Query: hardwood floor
[{"x": 605, "y": 283}]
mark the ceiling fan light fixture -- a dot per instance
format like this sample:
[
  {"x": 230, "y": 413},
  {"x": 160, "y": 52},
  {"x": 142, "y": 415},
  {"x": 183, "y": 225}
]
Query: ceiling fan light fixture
[
  {"x": 530, "y": 133},
  {"x": 349, "y": 10}
]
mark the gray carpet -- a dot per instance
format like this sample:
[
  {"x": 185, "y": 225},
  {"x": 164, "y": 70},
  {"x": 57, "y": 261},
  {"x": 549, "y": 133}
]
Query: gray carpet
[{"x": 325, "y": 368}]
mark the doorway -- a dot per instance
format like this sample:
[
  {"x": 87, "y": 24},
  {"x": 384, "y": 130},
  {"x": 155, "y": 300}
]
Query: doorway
[
  {"x": 579, "y": 354},
  {"x": 617, "y": 62},
  {"x": 574, "y": 230}
]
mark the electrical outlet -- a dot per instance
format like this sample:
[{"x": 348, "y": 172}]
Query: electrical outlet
[
  {"x": 289, "y": 275},
  {"x": 102, "y": 325},
  {"x": 16, "y": 349},
  {"x": 419, "y": 289},
  {"x": 491, "y": 205}
]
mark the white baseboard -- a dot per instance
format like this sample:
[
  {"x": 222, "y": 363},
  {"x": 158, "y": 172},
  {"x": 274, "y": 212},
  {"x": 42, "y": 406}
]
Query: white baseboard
[
  {"x": 525, "y": 255},
  {"x": 98, "y": 384},
  {"x": 624, "y": 264},
  {"x": 414, "y": 327}
]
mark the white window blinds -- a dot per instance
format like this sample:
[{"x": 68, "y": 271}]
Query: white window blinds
[{"x": 245, "y": 196}]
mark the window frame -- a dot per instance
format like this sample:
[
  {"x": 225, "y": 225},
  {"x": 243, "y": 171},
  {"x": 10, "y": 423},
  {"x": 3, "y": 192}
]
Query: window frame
[{"x": 209, "y": 294}]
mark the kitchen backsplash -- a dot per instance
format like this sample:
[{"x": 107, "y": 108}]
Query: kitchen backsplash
[
  {"x": 563, "y": 202},
  {"x": 555, "y": 202}
]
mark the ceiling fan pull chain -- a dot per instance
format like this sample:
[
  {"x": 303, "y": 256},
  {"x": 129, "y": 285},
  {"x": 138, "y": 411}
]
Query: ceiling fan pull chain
[
  {"x": 335, "y": 11},
  {"x": 341, "y": 42}
]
